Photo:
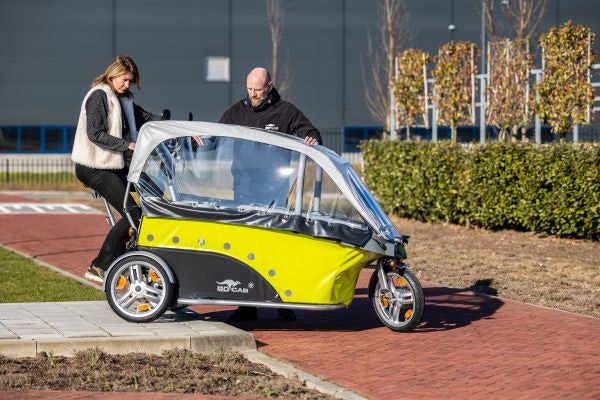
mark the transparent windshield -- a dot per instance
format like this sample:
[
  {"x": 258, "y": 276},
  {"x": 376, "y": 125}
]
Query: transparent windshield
[
  {"x": 370, "y": 205},
  {"x": 242, "y": 174},
  {"x": 224, "y": 170}
]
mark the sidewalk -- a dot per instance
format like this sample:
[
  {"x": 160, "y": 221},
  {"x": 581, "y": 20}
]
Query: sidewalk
[
  {"x": 63, "y": 328},
  {"x": 468, "y": 345}
]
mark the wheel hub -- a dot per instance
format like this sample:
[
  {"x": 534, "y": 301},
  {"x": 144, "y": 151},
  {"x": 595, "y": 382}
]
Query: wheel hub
[{"x": 139, "y": 289}]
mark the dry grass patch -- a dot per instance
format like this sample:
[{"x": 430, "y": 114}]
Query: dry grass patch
[{"x": 547, "y": 271}]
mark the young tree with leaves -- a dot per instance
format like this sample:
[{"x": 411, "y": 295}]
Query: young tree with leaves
[
  {"x": 454, "y": 75},
  {"x": 409, "y": 87},
  {"x": 565, "y": 95},
  {"x": 508, "y": 92}
]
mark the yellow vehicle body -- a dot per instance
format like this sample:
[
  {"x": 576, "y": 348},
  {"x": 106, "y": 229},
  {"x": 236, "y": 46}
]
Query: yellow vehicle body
[{"x": 300, "y": 268}]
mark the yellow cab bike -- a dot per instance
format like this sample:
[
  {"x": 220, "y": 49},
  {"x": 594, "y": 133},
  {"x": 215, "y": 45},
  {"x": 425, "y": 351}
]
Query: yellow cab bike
[{"x": 241, "y": 216}]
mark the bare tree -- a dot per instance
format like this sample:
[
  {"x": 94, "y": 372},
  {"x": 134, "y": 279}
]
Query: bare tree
[
  {"x": 490, "y": 20},
  {"x": 275, "y": 14},
  {"x": 378, "y": 70},
  {"x": 522, "y": 18}
]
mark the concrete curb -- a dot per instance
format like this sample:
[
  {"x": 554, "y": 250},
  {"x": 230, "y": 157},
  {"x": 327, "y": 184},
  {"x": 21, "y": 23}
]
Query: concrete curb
[
  {"x": 311, "y": 381},
  {"x": 229, "y": 341}
]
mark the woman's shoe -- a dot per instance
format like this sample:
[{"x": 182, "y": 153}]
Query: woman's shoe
[
  {"x": 243, "y": 313},
  {"x": 285, "y": 314},
  {"x": 94, "y": 274}
]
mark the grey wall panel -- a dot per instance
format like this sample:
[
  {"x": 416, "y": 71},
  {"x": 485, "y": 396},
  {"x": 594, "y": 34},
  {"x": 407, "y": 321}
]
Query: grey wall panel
[
  {"x": 170, "y": 42},
  {"x": 316, "y": 58},
  {"x": 51, "y": 50},
  {"x": 251, "y": 43},
  {"x": 360, "y": 17}
]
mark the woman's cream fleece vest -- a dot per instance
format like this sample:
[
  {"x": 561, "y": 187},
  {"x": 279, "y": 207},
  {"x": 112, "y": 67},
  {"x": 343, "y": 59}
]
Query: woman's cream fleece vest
[{"x": 89, "y": 154}]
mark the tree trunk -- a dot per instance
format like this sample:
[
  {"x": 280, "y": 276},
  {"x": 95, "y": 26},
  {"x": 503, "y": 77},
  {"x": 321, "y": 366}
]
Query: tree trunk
[
  {"x": 523, "y": 134},
  {"x": 453, "y": 132},
  {"x": 514, "y": 132}
]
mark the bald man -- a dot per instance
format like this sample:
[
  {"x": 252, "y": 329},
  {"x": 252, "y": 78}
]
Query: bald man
[{"x": 264, "y": 108}]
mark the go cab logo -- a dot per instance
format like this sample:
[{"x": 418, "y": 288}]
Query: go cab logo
[{"x": 229, "y": 285}]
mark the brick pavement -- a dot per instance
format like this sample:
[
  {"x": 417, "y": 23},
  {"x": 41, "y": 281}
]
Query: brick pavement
[
  {"x": 71, "y": 395},
  {"x": 468, "y": 345}
]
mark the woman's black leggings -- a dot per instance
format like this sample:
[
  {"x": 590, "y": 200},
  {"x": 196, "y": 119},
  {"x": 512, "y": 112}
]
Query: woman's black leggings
[{"x": 111, "y": 185}]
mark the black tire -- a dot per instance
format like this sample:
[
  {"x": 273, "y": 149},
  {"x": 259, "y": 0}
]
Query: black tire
[
  {"x": 402, "y": 308},
  {"x": 138, "y": 289}
]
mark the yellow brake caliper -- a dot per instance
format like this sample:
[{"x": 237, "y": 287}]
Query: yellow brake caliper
[{"x": 400, "y": 281}]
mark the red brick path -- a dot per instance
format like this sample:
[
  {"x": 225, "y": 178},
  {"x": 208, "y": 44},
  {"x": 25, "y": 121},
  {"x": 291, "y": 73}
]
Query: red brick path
[
  {"x": 468, "y": 345},
  {"x": 67, "y": 395}
]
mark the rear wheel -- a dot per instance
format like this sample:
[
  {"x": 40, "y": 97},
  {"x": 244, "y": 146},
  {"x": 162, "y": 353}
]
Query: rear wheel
[
  {"x": 138, "y": 289},
  {"x": 401, "y": 307}
]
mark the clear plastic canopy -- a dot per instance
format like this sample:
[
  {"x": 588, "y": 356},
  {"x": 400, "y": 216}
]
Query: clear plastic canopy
[{"x": 208, "y": 164}]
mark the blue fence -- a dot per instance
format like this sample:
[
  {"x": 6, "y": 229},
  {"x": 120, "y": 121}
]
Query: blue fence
[
  {"x": 59, "y": 139},
  {"x": 36, "y": 139}
]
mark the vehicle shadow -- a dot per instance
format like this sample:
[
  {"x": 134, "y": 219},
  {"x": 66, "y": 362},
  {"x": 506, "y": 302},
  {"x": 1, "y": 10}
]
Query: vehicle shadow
[
  {"x": 445, "y": 309},
  {"x": 451, "y": 308}
]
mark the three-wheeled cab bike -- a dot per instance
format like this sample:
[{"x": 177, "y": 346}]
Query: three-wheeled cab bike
[{"x": 241, "y": 216}]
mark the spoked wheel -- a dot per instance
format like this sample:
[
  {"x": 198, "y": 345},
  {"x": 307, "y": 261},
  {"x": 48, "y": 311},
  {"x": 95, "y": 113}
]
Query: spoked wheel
[
  {"x": 401, "y": 307},
  {"x": 138, "y": 289}
]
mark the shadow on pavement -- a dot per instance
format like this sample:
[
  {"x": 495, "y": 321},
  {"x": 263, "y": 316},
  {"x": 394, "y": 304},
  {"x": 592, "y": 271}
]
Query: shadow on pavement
[
  {"x": 84, "y": 250},
  {"x": 445, "y": 309},
  {"x": 451, "y": 308}
]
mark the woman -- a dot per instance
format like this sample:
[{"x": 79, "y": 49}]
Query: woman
[{"x": 104, "y": 142}]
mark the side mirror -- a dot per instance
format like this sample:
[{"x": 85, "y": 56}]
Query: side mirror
[{"x": 165, "y": 114}]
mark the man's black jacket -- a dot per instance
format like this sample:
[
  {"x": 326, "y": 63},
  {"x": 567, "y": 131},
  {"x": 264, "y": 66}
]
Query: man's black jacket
[{"x": 274, "y": 114}]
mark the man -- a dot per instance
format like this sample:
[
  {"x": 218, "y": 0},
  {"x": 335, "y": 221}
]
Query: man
[{"x": 264, "y": 108}]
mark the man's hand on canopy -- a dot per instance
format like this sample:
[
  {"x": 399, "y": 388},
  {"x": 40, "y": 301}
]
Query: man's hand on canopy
[{"x": 310, "y": 140}]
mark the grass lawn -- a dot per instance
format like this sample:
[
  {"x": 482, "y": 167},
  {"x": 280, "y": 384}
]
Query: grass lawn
[{"x": 24, "y": 281}]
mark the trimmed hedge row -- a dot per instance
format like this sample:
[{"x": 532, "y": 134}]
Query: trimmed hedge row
[{"x": 553, "y": 189}]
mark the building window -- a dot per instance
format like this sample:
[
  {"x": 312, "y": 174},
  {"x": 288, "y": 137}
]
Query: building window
[{"x": 217, "y": 69}]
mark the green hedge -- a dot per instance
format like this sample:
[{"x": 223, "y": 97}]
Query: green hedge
[{"x": 553, "y": 189}]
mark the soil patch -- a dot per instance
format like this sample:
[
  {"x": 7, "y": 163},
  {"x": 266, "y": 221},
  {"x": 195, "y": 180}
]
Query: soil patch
[{"x": 176, "y": 371}]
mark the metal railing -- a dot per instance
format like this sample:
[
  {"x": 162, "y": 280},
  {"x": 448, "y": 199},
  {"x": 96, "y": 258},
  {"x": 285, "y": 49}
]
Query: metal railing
[{"x": 36, "y": 170}]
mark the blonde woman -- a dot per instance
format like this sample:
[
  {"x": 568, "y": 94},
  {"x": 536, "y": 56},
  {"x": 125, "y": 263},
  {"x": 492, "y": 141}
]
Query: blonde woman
[{"x": 104, "y": 142}]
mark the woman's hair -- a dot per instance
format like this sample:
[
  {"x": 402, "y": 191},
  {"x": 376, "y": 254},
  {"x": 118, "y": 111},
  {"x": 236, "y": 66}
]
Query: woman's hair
[{"x": 121, "y": 65}]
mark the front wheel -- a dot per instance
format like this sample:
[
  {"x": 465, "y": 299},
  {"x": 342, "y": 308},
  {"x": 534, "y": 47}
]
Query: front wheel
[
  {"x": 401, "y": 306},
  {"x": 138, "y": 289}
]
